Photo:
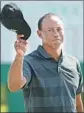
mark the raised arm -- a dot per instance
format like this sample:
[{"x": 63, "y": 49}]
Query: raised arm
[{"x": 16, "y": 80}]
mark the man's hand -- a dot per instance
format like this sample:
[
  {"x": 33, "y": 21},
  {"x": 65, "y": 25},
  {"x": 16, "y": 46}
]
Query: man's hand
[
  {"x": 79, "y": 104},
  {"x": 20, "y": 45}
]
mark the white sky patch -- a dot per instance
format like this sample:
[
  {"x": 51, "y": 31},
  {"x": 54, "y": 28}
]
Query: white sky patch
[{"x": 72, "y": 16}]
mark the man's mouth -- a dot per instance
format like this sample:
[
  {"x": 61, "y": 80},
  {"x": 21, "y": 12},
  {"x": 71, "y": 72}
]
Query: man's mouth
[{"x": 55, "y": 39}]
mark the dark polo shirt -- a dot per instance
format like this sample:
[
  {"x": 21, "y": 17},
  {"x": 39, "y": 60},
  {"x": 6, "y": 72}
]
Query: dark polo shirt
[{"x": 51, "y": 85}]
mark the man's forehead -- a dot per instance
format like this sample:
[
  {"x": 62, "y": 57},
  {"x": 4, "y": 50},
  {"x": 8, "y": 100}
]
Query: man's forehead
[
  {"x": 52, "y": 18},
  {"x": 57, "y": 19}
]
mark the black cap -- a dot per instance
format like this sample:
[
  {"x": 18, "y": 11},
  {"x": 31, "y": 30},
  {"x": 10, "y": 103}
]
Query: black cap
[{"x": 12, "y": 18}]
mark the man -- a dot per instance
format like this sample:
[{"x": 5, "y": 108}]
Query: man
[{"x": 51, "y": 80}]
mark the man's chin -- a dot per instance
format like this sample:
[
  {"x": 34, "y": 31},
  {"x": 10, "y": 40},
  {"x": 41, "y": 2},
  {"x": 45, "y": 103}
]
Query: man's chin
[{"x": 56, "y": 45}]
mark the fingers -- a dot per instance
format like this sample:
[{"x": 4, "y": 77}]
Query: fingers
[
  {"x": 20, "y": 44},
  {"x": 19, "y": 36}
]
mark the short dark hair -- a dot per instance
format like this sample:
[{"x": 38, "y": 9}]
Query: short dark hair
[{"x": 41, "y": 19}]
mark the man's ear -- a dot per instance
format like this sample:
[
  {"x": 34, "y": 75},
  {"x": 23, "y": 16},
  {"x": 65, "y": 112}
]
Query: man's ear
[{"x": 39, "y": 33}]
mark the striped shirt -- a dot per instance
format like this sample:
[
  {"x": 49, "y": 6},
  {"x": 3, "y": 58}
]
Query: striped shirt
[{"x": 51, "y": 85}]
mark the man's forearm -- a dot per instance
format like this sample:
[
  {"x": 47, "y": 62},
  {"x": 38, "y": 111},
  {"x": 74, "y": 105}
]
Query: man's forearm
[
  {"x": 15, "y": 75},
  {"x": 79, "y": 107}
]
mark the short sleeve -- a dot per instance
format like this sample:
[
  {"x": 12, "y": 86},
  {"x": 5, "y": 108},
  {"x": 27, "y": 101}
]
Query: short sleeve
[
  {"x": 26, "y": 72},
  {"x": 80, "y": 87}
]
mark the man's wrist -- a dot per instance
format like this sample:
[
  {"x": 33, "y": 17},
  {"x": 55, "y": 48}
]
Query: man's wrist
[{"x": 19, "y": 56}]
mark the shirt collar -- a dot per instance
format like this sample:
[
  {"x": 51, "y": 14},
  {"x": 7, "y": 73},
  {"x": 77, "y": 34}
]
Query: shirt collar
[{"x": 42, "y": 51}]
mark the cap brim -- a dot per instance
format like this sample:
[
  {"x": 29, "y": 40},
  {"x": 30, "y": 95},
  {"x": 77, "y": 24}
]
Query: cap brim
[
  {"x": 19, "y": 25},
  {"x": 24, "y": 28}
]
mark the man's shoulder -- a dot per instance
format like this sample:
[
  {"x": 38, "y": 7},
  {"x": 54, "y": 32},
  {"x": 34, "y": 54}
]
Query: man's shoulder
[
  {"x": 32, "y": 56},
  {"x": 72, "y": 59},
  {"x": 70, "y": 62}
]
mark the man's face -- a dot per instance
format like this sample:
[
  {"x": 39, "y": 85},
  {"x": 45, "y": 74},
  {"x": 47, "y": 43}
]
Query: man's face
[{"x": 52, "y": 32}]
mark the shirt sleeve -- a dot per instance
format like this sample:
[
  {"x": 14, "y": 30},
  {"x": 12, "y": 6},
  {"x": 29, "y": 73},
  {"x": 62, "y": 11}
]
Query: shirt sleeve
[
  {"x": 26, "y": 72},
  {"x": 80, "y": 86}
]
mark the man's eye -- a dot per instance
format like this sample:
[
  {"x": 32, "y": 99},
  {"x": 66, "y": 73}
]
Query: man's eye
[
  {"x": 49, "y": 29},
  {"x": 59, "y": 29}
]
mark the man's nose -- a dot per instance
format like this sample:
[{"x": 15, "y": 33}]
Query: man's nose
[{"x": 55, "y": 32}]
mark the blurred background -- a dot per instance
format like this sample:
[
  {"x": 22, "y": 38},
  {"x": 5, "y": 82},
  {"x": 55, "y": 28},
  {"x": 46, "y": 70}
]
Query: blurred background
[{"x": 72, "y": 16}]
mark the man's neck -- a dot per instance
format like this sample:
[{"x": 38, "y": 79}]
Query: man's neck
[{"x": 54, "y": 52}]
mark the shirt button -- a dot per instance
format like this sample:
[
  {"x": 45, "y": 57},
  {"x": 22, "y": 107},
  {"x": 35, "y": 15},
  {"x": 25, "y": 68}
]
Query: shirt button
[{"x": 59, "y": 69}]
